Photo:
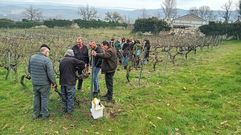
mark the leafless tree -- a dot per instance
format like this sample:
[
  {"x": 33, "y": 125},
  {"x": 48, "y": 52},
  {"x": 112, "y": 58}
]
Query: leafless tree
[
  {"x": 87, "y": 13},
  {"x": 204, "y": 12},
  {"x": 169, "y": 9},
  {"x": 113, "y": 16},
  {"x": 32, "y": 13},
  {"x": 239, "y": 8},
  {"x": 158, "y": 14},
  {"x": 143, "y": 13},
  {"x": 126, "y": 19},
  {"x": 194, "y": 11},
  {"x": 227, "y": 10}
]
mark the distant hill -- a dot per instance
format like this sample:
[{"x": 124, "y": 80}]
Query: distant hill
[{"x": 60, "y": 11}]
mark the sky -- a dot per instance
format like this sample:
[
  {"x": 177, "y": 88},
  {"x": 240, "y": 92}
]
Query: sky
[{"x": 133, "y": 4}]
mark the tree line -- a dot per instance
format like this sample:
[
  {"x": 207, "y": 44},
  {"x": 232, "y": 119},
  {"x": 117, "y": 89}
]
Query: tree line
[
  {"x": 7, "y": 23},
  {"x": 153, "y": 24},
  {"x": 228, "y": 29},
  {"x": 88, "y": 18}
]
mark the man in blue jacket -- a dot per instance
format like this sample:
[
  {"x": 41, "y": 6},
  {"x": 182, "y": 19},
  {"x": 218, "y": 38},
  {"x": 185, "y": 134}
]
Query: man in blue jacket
[{"x": 42, "y": 75}]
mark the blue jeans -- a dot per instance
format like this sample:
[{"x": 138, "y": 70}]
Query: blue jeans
[
  {"x": 145, "y": 61},
  {"x": 125, "y": 61},
  {"x": 96, "y": 71},
  {"x": 68, "y": 94},
  {"x": 40, "y": 101}
]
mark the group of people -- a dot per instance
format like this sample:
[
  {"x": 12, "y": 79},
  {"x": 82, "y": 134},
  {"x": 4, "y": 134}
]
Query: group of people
[
  {"x": 75, "y": 61},
  {"x": 131, "y": 50}
]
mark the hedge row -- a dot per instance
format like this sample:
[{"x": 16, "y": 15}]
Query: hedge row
[
  {"x": 6, "y": 23},
  {"x": 153, "y": 25},
  {"x": 231, "y": 30}
]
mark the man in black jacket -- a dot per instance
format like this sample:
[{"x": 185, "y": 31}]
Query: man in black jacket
[
  {"x": 81, "y": 53},
  {"x": 96, "y": 67},
  {"x": 108, "y": 66},
  {"x": 68, "y": 66}
]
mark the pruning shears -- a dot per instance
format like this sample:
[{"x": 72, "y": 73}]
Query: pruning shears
[{"x": 60, "y": 94}]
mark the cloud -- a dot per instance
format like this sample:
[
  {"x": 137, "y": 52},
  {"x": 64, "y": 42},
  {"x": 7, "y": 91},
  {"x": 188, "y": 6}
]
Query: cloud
[
  {"x": 213, "y": 4},
  {"x": 135, "y": 4}
]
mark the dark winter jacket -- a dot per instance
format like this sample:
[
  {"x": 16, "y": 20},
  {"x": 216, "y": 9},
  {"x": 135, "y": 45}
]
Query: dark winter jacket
[
  {"x": 109, "y": 62},
  {"x": 98, "y": 60},
  {"x": 147, "y": 48},
  {"x": 126, "y": 49},
  {"x": 68, "y": 66},
  {"x": 81, "y": 54}
]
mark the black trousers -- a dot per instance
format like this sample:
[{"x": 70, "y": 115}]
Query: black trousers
[
  {"x": 109, "y": 84},
  {"x": 79, "y": 86}
]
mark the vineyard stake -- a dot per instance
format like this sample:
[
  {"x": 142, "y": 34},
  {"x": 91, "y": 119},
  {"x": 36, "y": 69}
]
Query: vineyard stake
[{"x": 92, "y": 80}]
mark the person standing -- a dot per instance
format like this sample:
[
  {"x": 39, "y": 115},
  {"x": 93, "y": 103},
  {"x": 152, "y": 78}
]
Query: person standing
[
  {"x": 42, "y": 74},
  {"x": 117, "y": 46},
  {"x": 146, "y": 50},
  {"x": 108, "y": 66},
  {"x": 81, "y": 53},
  {"x": 67, "y": 68},
  {"x": 137, "y": 50},
  {"x": 126, "y": 52},
  {"x": 96, "y": 67}
]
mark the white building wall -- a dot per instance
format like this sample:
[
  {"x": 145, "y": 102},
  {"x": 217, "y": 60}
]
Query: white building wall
[{"x": 189, "y": 23}]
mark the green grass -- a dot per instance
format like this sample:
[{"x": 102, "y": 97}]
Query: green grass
[{"x": 200, "y": 95}]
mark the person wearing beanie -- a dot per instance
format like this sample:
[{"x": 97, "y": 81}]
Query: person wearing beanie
[
  {"x": 42, "y": 74},
  {"x": 69, "y": 52}
]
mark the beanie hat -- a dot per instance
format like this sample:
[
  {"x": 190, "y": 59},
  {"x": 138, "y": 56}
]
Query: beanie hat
[
  {"x": 44, "y": 45},
  {"x": 69, "y": 52}
]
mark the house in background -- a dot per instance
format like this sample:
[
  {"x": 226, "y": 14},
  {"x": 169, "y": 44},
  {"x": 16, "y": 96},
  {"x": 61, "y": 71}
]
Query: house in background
[{"x": 187, "y": 21}]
